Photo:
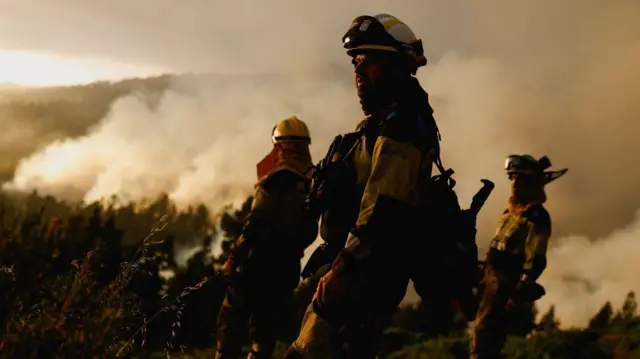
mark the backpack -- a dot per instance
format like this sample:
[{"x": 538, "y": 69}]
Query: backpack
[{"x": 452, "y": 233}]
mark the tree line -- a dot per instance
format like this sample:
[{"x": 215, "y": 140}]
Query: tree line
[{"x": 102, "y": 281}]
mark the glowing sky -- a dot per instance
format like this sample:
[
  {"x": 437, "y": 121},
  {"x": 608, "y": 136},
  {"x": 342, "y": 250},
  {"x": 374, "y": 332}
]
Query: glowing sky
[{"x": 41, "y": 69}]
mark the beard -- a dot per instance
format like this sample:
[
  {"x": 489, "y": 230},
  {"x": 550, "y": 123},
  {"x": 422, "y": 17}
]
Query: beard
[
  {"x": 376, "y": 95},
  {"x": 372, "y": 101},
  {"x": 379, "y": 94}
]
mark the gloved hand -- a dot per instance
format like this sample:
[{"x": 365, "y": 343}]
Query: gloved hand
[
  {"x": 527, "y": 291},
  {"x": 337, "y": 289}
]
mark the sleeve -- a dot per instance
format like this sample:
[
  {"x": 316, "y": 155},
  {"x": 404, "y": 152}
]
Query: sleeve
[
  {"x": 537, "y": 242},
  {"x": 396, "y": 163},
  {"x": 394, "y": 171}
]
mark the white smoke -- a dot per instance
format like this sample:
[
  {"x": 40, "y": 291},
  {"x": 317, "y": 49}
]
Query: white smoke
[
  {"x": 199, "y": 146},
  {"x": 584, "y": 274}
]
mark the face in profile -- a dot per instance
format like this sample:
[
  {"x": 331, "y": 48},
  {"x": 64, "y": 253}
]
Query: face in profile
[
  {"x": 370, "y": 69},
  {"x": 526, "y": 188}
]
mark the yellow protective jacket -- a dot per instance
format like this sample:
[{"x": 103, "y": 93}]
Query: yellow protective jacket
[
  {"x": 278, "y": 207},
  {"x": 523, "y": 239},
  {"x": 393, "y": 165}
]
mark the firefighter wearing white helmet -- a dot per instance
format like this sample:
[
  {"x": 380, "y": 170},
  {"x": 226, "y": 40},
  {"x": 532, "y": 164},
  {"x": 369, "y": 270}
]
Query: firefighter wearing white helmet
[
  {"x": 384, "y": 32},
  {"x": 517, "y": 255},
  {"x": 263, "y": 268},
  {"x": 388, "y": 162},
  {"x": 386, "y": 54}
]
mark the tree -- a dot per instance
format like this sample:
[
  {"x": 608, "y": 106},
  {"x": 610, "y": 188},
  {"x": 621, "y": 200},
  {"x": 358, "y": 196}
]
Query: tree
[
  {"x": 231, "y": 224},
  {"x": 603, "y": 318},
  {"x": 549, "y": 322},
  {"x": 629, "y": 307},
  {"x": 627, "y": 312}
]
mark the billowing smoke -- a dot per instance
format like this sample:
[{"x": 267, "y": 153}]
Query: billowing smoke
[
  {"x": 200, "y": 143},
  {"x": 529, "y": 77},
  {"x": 583, "y": 274}
]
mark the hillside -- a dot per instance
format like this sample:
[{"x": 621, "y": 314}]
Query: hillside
[
  {"x": 72, "y": 284},
  {"x": 34, "y": 117}
]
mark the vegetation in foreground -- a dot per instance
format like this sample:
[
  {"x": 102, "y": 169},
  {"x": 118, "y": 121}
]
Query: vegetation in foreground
[{"x": 101, "y": 281}]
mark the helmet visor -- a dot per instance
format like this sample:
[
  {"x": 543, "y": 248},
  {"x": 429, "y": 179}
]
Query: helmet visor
[
  {"x": 512, "y": 163},
  {"x": 521, "y": 165}
]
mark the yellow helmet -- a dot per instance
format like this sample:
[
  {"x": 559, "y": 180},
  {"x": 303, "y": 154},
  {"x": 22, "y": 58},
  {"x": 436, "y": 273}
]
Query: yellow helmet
[{"x": 290, "y": 129}]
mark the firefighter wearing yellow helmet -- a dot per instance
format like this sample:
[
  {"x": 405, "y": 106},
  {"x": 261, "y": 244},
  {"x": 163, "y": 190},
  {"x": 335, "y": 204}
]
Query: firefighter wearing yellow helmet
[
  {"x": 291, "y": 130},
  {"x": 263, "y": 268},
  {"x": 373, "y": 190},
  {"x": 517, "y": 254}
]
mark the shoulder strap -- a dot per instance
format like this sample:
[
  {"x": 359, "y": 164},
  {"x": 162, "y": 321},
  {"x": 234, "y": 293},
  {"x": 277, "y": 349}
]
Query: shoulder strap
[{"x": 438, "y": 160}]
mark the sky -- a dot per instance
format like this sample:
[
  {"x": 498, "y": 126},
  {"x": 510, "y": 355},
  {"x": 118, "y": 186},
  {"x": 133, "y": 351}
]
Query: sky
[
  {"x": 33, "y": 68},
  {"x": 541, "y": 77},
  {"x": 205, "y": 35}
]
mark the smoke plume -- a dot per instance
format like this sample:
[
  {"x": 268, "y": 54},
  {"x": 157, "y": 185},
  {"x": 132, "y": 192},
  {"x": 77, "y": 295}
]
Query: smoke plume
[
  {"x": 529, "y": 77},
  {"x": 584, "y": 274},
  {"x": 200, "y": 143}
]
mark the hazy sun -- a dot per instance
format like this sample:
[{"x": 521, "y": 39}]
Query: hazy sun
[{"x": 40, "y": 69}]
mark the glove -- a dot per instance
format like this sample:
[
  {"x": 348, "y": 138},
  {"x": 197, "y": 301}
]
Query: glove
[
  {"x": 337, "y": 289},
  {"x": 527, "y": 291}
]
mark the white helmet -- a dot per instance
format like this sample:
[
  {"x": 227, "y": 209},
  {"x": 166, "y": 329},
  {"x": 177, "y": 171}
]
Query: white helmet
[
  {"x": 290, "y": 129},
  {"x": 386, "y": 33}
]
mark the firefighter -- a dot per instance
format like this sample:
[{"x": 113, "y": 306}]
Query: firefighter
[
  {"x": 377, "y": 182},
  {"x": 263, "y": 268},
  {"x": 517, "y": 254}
]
